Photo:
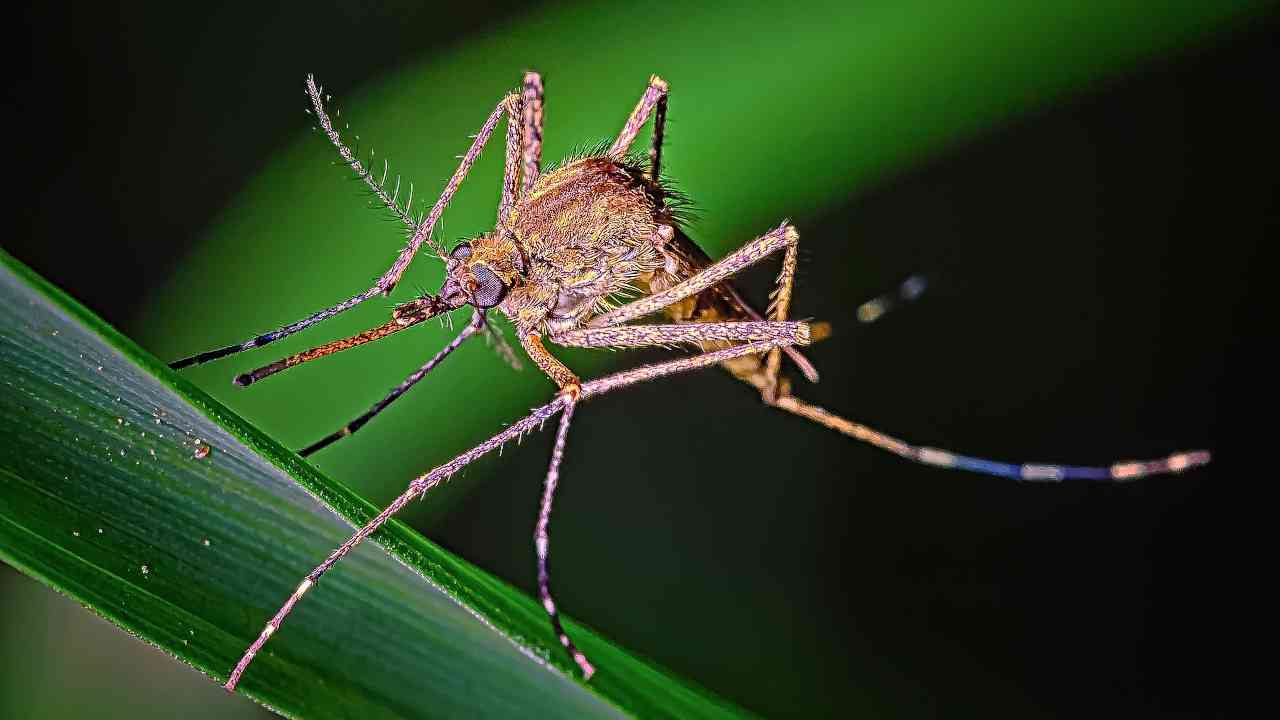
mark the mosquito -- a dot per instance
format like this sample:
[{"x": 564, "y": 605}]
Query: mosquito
[{"x": 578, "y": 254}]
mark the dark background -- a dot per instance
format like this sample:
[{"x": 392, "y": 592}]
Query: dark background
[{"x": 1096, "y": 278}]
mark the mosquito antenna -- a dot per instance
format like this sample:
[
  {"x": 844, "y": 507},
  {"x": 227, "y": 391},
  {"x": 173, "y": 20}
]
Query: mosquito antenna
[{"x": 364, "y": 170}]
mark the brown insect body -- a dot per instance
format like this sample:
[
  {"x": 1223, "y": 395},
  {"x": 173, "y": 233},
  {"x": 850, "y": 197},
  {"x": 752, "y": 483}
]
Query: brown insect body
[{"x": 593, "y": 232}]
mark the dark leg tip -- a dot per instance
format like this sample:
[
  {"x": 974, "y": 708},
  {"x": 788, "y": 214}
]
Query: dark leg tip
[
  {"x": 243, "y": 380},
  {"x": 323, "y": 443}
]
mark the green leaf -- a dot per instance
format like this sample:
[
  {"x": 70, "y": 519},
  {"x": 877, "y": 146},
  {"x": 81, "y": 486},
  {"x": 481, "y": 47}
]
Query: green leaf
[{"x": 104, "y": 496}]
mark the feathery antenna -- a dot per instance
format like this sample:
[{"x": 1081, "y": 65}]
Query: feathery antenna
[{"x": 364, "y": 169}]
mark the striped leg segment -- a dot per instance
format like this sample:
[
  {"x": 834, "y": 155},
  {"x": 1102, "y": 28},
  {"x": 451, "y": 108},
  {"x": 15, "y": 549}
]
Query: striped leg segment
[
  {"x": 541, "y": 541},
  {"x": 780, "y": 307},
  {"x": 1031, "y": 472},
  {"x": 477, "y": 321},
  {"x": 529, "y": 423}
]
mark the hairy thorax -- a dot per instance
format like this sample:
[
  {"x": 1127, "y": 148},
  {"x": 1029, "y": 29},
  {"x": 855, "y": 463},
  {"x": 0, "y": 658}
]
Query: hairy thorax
[{"x": 586, "y": 231}]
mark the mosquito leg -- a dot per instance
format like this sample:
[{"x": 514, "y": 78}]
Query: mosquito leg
[
  {"x": 419, "y": 486},
  {"x": 560, "y": 374},
  {"x": 477, "y": 321},
  {"x": 1119, "y": 471},
  {"x": 788, "y": 333},
  {"x": 779, "y": 307},
  {"x": 753, "y": 252},
  {"x": 511, "y": 168},
  {"x": 659, "y": 130},
  {"x": 541, "y": 541},
  {"x": 817, "y": 331},
  {"x": 531, "y": 123},
  {"x": 424, "y": 483},
  {"x": 421, "y": 231},
  {"x": 270, "y": 337},
  {"x": 656, "y": 91}
]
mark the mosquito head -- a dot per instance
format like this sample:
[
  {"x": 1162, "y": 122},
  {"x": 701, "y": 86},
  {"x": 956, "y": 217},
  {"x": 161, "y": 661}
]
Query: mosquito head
[{"x": 479, "y": 272}]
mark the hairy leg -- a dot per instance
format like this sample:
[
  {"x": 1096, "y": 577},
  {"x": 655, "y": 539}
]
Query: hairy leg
[
  {"x": 424, "y": 483},
  {"x": 509, "y": 106},
  {"x": 654, "y": 95},
  {"x": 780, "y": 306},
  {"x": 511, "y": 167},
  {"x": 1119, "y": 471},
  {"x": 790, "y": 333},
  {"x": 531, "y": 123}
]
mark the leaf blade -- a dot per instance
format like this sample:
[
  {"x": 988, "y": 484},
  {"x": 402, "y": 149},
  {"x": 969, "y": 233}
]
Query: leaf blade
[{"x": 192, "y": 554}]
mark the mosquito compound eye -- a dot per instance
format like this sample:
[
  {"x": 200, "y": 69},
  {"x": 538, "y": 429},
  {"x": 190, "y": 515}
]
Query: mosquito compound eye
[
  {"x": 489, "y": 289},
  {"x": 461, "y": 251}
]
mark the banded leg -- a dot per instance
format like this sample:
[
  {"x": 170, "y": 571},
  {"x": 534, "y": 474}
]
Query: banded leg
[
  {"x": 1036, "y": 472},
  {"x": 531, "y": 123},
  {"x": 509, "y": 106},
  {"x": 477, "y": 322},
  {"x": 541, "y": 541},
  {"x": 654, "y": 95},
  {"x": 424, "y": 483},
  {"x": 511, "y": 166},
  {"x": 780, "y": 333}
]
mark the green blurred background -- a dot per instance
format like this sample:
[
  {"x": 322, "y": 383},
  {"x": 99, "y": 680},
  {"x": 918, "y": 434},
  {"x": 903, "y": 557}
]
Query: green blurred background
[{"x": 1090, "y": 234}]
